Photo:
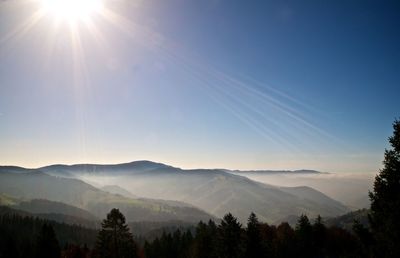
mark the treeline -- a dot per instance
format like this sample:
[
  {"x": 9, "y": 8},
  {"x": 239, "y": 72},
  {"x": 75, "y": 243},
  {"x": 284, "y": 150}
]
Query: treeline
[
  {"x": 231, "y": 240},
  {"x": 22, "y": 236},
  {"x": 26, "y": 236}
]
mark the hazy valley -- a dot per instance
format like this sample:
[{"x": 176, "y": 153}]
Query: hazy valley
[{"x": 149, "y": 191}]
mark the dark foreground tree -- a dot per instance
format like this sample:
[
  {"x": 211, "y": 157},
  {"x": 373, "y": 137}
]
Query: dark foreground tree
[
  {"x": 304, "y": 236},
  {"x": 318, "y": 237},
  {"x": 385, "y": 200},
  {"x": 230, "y": 244},
  {"x": 205, "y": 240},
  {"x": 114, "y": 240},
  {"x": 47, "y": 244},
  {"x": 254, "y": 238}
]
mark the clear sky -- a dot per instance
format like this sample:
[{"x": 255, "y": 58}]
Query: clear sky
[{"x": 211, "y": 83}]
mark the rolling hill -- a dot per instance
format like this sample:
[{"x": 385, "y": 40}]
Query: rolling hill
[
  {"x": 35, "y": 184},
  {"x": 350, "y": 189},
  {"x": 213, "y": 190}
]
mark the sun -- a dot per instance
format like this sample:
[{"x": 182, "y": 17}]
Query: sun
[{"x": 72, "y": 10}]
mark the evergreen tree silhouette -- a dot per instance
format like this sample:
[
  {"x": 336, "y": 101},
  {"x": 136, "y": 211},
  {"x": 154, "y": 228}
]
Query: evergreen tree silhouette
[
  {"x": 285, "y": 241},
  {"x": 304, "y": 236},
  {"x": 254, "y": 240},
  {"x": 114, "y": 239},
  {"x": 204, "y": 241},
  {"x": 230, "y": 237},
  {"x": 318, "y": 237},
  {"x": 385, "y": 200}
]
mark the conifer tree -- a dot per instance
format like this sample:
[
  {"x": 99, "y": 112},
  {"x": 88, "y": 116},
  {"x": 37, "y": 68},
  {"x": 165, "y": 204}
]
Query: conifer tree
[
  {"x": 254, "y": 241},
  {"x": 318, "y": 237},
  {"x": 385, "y": 200},
  {"x": 284, "y": 244},
  {"x": 204, "y": 241},
  {"x": 304, "y": 236},
  {"x": 114, "y": 239},
  {"x": 230, "y": 237}
]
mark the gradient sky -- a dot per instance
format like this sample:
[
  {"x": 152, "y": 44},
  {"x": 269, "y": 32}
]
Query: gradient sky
[{"x": 211, "y": 83}]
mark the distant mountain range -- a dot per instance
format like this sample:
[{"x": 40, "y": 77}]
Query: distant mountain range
[
  {"x": 215, "y": 191},
  {"x": 35, "y": 184},
  {"x": 350, "y": 189},
  {"x": 300, "y": 171},
  {"x": 145, "y": 165},
  {"x": 157, "y": 198}
]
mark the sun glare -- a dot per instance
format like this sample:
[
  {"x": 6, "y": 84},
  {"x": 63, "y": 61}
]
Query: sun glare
[{"x": 72, "y": 10}]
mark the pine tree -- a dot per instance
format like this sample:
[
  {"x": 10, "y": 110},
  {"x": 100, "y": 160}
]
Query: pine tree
[
  {"x": 204, "y": 242},
  {"x": 385, "y": 200},
  {"x": 230, "y": 237},
  {"x": 284, "y": 245},
  {"x": 304, "y": 236},
  {"x": 254, "y": 241},
  {"x": 319, "y": 237},
  {"x": 114, "y": 239}
]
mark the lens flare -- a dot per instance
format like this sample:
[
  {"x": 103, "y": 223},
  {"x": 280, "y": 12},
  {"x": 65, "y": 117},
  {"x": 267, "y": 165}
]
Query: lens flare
[{"x": 72, "y": 10}]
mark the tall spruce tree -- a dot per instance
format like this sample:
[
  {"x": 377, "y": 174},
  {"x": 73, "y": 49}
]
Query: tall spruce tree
[
  {"x": 254, "y": 238},
  {"x": 304, "y": 236},
  {"x": 318, "y": 237},
  {"x": 230, "y": 244},
  {"x": 204, "y": 245},
  {"x": 385, "y": 200},
  {"x": 114, "y": 239}
]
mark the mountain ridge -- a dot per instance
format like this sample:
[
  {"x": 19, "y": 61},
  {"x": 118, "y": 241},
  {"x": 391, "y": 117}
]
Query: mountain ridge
[
  {"x": 216, "y": 191},
  {"x": 72, "y": 191}
]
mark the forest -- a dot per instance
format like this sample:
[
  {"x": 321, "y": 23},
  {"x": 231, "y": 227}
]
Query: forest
[{"x": 33, "y": 237}]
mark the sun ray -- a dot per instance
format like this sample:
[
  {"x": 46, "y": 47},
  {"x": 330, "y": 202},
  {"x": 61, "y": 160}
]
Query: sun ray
[
  {"x": 225, "y": 84},
  {"x": 72, "y": 10},
  {"x": 12, "y": 37},
  {"x": 104, "y": 48},
  {"x": 50, "y": 44},
  {"x": 247, "y": 102},
  {"x": 81, "y": 83}
]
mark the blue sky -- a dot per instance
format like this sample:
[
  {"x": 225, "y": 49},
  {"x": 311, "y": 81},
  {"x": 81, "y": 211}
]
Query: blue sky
[{"x": 233, "y": 84}]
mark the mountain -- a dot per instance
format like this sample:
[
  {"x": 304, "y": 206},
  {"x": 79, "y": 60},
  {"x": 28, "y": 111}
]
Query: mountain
[
  {"x": 261, "y": 172},
  {"x": 216, "y": 191},
  {"x": 38, "y": 185},
  {"x": 24, "y": 228},
  {"x": 308, "y": 193},
  {"x": 350, "y": 189},
  {"x": 8, "y": 211},
  {"x": 7, "y": 200},
  {"x": 46, "y": 209},
  {"x": 346, "y": 221},
  {"x": 58, "y": 217},
  {"x": 41, "y": 206},
  {"x": 115, "y": 189},
  {"x": 141, "y": 166}
]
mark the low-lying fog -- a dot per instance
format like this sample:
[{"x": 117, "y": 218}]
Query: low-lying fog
[{"x": 350, "y": 189}]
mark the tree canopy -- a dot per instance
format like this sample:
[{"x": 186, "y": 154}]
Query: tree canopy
[
  {"x": 114, "y": 239},
  {"x": 385, "y": 200}
]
